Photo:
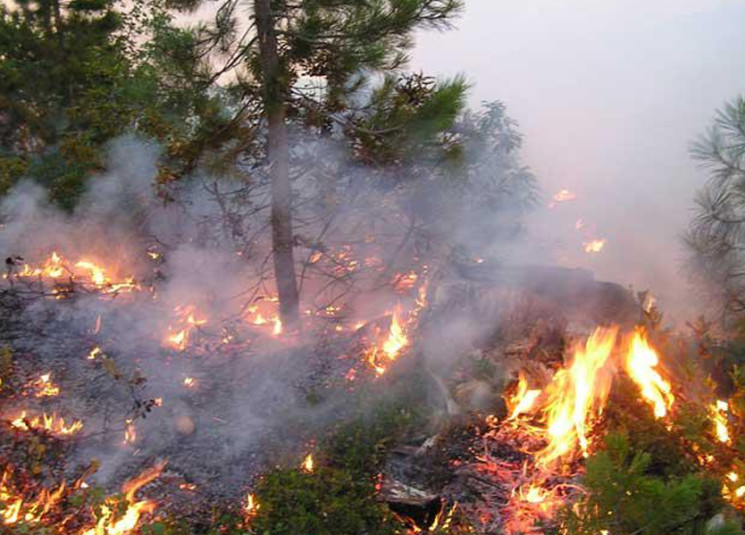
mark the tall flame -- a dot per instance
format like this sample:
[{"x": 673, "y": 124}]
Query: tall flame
[
  {"x": 575, "y": 397},
  {"x": 641, "y": 361}
]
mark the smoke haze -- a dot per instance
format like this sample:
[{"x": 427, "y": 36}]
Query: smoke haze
[{"x": 609, "y": 95}]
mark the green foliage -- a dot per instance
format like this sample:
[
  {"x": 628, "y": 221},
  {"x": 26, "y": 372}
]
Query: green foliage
[
  {"x": 359, "y": 446},
  {"x": 715, "y": 237},
  {"x": 339, "y": 496},
  {"x": 625, "y": 498},
  {"x": 74, "y": 77},
  {"x": 330, "y": 501}
]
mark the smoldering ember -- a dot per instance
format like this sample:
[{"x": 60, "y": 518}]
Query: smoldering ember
[{"x": 265, "y": 275}]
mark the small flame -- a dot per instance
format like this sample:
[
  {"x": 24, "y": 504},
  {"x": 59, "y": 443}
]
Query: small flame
[
  {"x": 190, "y": 382},
  {"x": 523, "y": 400},
  {"x": 564, "y": 195},
  {"x": 594, "y": 246},
  {"x": 110, "y": 522},
  {"x": 277, "y": 330},
  {"x": 95, "y": 352},
  {"x": 719, "y": 412},
  {"x": 307, "y": 465},
  {"x": 130, "y": 432},
  {"x": 44, "y": 386},
  {"x": 251, "y": 507},
  {"x": 47, "y": 422}
]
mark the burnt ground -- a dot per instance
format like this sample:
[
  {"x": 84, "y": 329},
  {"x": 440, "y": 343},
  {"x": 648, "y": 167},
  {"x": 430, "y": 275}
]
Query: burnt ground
[{"x": 259, "y": 402}]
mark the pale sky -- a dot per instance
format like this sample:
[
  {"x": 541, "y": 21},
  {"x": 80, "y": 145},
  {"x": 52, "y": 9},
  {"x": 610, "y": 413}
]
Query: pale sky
[{"x": 609, "y": 95}]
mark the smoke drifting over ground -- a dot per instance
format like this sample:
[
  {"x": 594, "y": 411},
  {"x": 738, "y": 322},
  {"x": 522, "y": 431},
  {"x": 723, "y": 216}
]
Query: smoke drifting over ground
[{"x": 159, "y": 321}]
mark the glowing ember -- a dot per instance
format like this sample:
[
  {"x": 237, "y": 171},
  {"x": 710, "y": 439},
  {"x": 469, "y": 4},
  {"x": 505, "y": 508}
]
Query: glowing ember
[
  {"x": 190, "y": 382},
  {"x": 95, "y": 352},
  {"x": 307, "y": 464},
  {"x": 640, "y": 365},
  {"x": 50, "y": 423},
  {"x": 594, "y": 246}
]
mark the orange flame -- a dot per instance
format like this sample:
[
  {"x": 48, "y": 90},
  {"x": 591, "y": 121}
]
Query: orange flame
[
  {"x": 523, "y": 400},
  {"x": 307, "y": 465},
  {"x": 32, "y": 512},
  {"x": 575, "y": 397},
  {"x": 594, "y": 246},
  {"x": 109, "y": 524},
  {"x": 251, "y": 507},
  {"x": 44, "y": 386},
  {"x": 50, "y": 423},
  {"x": 391, "y": 347},
  {"x": 130, "y": 432},
  {"x": 640, "y": 365},
  {"x": 719, "y": 412}
]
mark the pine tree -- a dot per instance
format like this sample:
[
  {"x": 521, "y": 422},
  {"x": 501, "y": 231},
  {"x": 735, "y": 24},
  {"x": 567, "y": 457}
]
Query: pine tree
[{"x": 340, "y": 42}]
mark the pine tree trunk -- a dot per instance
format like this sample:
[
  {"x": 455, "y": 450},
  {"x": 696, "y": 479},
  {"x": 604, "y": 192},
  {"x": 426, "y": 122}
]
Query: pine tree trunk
[{"x": 278, "y": 153}]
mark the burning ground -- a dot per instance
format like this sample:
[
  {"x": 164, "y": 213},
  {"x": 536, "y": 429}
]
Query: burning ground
[{"x": 147, "y": 378}]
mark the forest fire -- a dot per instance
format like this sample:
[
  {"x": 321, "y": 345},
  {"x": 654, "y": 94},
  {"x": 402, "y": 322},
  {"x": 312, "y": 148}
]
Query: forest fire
[{"x": 554, "y": 426}]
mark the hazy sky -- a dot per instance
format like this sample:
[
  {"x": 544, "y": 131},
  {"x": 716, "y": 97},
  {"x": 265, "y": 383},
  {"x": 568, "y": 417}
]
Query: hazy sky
[{"x": 609, "y": 95}]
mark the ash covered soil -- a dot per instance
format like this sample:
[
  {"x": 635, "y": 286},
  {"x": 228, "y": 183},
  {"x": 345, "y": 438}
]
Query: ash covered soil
[{"x": 220, "y": 412}]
